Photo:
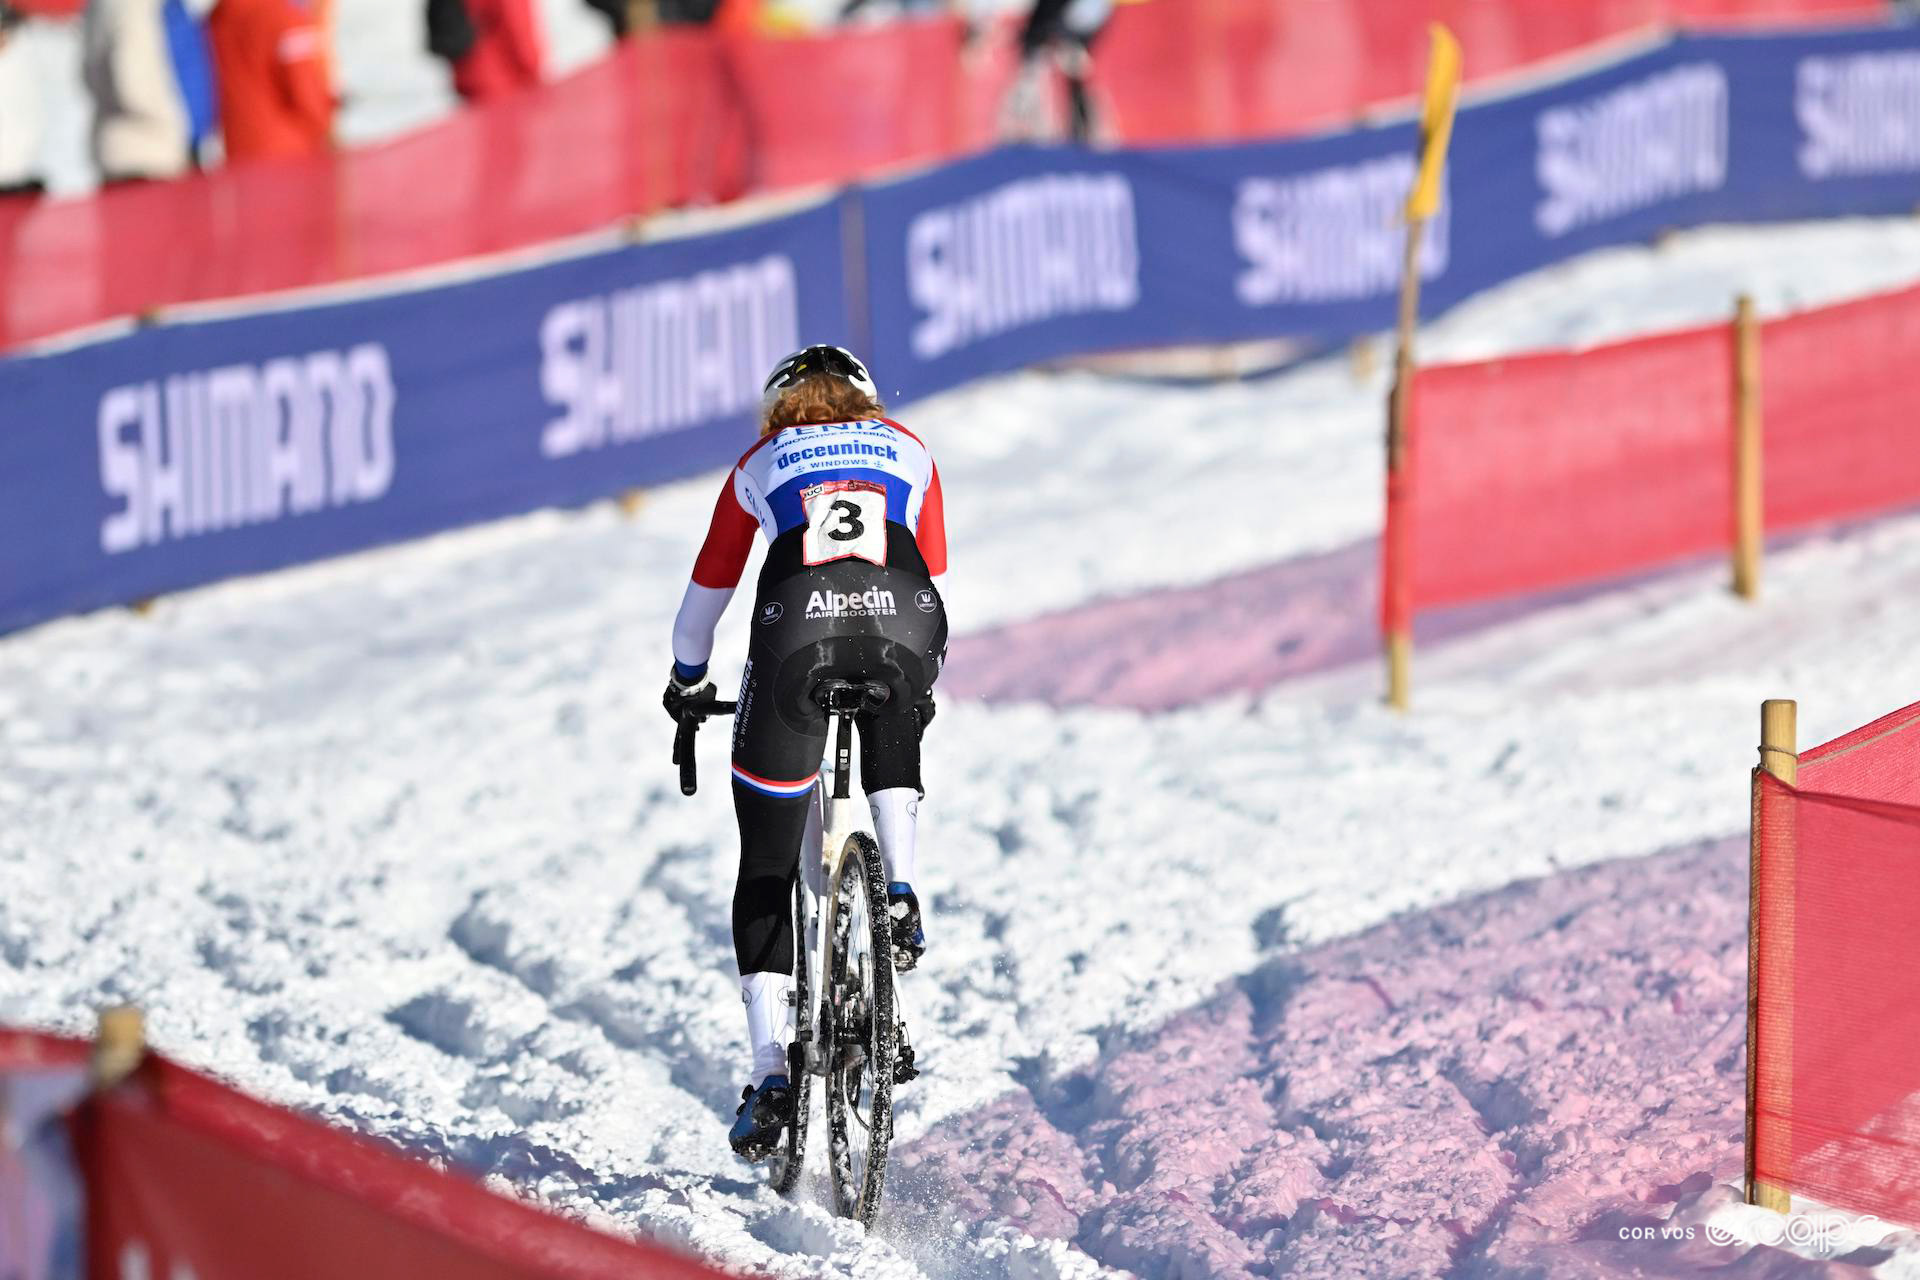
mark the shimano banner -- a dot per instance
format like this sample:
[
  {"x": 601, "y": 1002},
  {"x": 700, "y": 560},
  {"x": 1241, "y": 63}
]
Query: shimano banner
[
  {"x": 1030, "y": 254},
  {"x": 186, "y": 453}
]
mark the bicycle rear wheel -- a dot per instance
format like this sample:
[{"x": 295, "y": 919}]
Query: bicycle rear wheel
[
  {"x": 864, "y": 1036},
  {"x": 784, "y": 1168}
]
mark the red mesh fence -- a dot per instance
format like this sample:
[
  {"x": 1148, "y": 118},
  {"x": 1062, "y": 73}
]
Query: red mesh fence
[
  {"x": 1550, "y": 470},
  {"x": 689, "y": 115},
  {"x": 35, "y": 1051},
  {"x": 1836, "y": 990},
  {"x": 1838, "y": 394},
  {"x": 684, "y": 116},
  {"x": 1879, "y": 761},
  {"x": 200, "y": 1179},
  {"x": 1177, "y": 70},
  {"x": 1544, "y": 470}
]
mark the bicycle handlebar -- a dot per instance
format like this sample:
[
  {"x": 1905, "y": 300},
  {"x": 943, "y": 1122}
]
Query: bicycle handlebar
[{"x": 691, "y": 718}]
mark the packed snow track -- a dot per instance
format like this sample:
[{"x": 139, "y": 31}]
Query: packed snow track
[{"x": 1266, "y": 980}]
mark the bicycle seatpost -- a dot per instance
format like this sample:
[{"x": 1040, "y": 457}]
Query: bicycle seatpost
[{"x": 843, "y": 756}]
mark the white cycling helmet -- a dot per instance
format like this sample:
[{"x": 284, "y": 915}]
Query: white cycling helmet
[{"x": 837, "y": 361}]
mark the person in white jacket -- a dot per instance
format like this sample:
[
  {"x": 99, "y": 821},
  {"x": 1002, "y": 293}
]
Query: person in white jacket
[
  {"x": 140, "y": 128},
  {"x": 20, "y": 116}
]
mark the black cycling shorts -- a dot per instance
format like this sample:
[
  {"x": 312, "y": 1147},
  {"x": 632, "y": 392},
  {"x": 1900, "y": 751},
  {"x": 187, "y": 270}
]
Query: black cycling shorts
[{"x": 845, "y": 620}]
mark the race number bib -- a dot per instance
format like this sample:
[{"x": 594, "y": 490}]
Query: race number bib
[{"x": 845, "y": 519}]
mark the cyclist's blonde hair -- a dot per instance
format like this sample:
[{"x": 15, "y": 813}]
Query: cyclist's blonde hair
[{"x": 819, "y": 398}]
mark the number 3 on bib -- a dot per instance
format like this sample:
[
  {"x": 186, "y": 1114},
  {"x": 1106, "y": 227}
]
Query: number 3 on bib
[{"x": 845, "y": 519}]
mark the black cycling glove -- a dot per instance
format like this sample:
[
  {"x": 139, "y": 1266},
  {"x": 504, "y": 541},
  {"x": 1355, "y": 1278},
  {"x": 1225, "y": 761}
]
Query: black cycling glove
[{"x": 683, "y": 693}]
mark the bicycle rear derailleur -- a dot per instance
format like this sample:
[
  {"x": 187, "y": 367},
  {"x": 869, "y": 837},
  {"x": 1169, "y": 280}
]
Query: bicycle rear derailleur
[{"x": 903, "y": 1068}]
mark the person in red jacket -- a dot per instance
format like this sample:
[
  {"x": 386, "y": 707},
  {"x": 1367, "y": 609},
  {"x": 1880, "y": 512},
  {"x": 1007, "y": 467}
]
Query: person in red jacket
[
  {"x": 276, "y": 94},
  {"x": 506, "y": 54}
]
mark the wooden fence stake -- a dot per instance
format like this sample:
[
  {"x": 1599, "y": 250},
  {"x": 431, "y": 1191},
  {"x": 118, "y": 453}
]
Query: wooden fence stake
[
  {"x": 1748, "y": 513},
  {"x": 1400, "y": 634},
  {"x": 1770, "y": 924},
  {"x": 1399, "y": 669},
  {"x": 121, "y": 1043},
  {"x": 1363, "y": 358}
]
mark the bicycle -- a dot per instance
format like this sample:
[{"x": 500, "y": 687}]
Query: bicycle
[{"x": 857, "y": 1043}]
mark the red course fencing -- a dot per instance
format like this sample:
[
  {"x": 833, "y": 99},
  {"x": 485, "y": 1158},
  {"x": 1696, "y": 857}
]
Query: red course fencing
[
  {"x": 1838, "y": 394},
  {"x": 1540, "y": 470},
  {"x": 181, "y": 1175},
  {"x": 1181, "y": 70},
  {"x": 685, "y": 116},
  {"x": 680, "y": 117},
  {"x": 1544, "y": 471},
  {"x": 1836, "y": 1095}
]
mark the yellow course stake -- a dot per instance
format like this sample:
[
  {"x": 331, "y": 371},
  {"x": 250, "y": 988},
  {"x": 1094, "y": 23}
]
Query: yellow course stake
[{"x": 1436, "y": 132}]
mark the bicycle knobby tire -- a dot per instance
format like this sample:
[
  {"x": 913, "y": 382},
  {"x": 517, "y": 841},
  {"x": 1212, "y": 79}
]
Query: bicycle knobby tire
[{"x": 865, "y": 1035}]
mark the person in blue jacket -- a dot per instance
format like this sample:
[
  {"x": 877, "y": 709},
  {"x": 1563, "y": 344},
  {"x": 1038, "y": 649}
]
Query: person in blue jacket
[{"x": 193, "y": 70}]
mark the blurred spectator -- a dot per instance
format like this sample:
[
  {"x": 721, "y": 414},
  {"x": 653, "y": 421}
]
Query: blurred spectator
[
  {"x": 886, "y": 10},
  {"x": 618, "y": 13},
  {"x": 689, "y": 12},
  {"x": 744, "y": 17},
  {"x": 20, "y": 120},
  {"x": 270, "y": 59},
  {"x": 140, "y": 127},
  {"x": 494, "y": 45},
  {"x": 450, "y": 33},
  {"x": 1060, "y": 32},
  {"x": 193, "y": 71},
  {"x": 628, "y": 16}
]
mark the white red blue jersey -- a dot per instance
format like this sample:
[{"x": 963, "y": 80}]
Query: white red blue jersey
[
  {"x": 775, "y": 480},
  {"x": 842, "y": 483}
]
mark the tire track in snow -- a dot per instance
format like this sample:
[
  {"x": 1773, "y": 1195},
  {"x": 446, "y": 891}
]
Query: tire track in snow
[
  {"x": 1549, "y": 1061},
  {"x": 1245, "y": 633}
]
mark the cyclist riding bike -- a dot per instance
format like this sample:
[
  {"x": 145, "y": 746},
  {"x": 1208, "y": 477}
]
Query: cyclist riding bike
[{"x": 850, "y": 503}]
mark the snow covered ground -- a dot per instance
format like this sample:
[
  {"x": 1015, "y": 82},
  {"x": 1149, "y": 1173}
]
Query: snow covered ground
[{"x": 1242, "y": 987}]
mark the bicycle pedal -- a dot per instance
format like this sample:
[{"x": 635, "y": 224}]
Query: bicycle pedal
[{"x": 756, "y": 1153}]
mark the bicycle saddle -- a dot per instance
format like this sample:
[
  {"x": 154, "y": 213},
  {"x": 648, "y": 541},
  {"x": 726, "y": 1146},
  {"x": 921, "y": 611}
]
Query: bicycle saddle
[{"x": 851, "y": 697}]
